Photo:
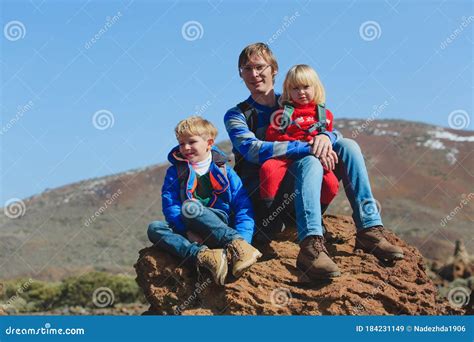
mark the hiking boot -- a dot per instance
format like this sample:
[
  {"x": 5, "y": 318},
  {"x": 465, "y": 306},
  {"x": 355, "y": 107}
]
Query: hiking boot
[
  {"x": 215, "y": 261},
  {"x": 372, "y": 240},
  {"x": 243, "y": 255},
  {"x": 313, "y": 259}
]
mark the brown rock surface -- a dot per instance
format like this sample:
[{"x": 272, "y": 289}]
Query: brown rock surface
[{"x": 275, "y": 286}]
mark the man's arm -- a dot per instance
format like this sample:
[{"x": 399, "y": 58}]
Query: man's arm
[{"x": 257, "y": 151}]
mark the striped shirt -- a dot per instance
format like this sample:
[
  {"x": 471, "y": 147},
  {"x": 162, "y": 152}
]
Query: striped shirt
[{"x": 252, "y": 145}]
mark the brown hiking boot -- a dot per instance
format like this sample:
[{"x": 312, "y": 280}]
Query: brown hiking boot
[
  {"x": 313, "y": 259},
  {"x": 215, "y": 261},
  {"x": 243, "y": 255},
  {"x": 372, "y": 240}
]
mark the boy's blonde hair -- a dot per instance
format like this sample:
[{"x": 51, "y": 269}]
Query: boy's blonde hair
[
  {"x": 302, "y": 75},
  {"x": 195, "y": 125},
  {"x": 258, "y": 49}
]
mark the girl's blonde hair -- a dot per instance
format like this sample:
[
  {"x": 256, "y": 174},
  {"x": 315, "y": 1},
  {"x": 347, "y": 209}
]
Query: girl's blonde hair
[
  {"x": 303, "y": 75},
  {"x": 195, "y": 125}
]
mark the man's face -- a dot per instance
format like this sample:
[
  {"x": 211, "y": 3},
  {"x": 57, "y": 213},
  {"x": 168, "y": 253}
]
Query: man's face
[{"x": 257, "y": 75}]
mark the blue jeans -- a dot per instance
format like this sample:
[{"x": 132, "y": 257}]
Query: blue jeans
[
  {"x": 305, "y": 178},
  {"x": 211, "y": 225}
]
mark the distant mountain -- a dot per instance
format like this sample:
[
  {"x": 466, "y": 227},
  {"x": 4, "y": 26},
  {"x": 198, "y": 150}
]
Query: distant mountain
[{"x": 421, "y": 174}]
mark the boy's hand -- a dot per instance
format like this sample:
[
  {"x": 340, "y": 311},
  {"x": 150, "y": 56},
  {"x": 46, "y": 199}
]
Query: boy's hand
[
  {"x": 321, "y": 145},
  {"x": 193, "y": 237},
  {"x": 330, "y": 160}
]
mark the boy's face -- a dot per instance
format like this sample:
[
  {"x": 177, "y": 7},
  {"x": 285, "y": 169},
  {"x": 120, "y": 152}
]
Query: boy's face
[
  {"x": 258, "y": 75},
  {"x": 195, "y": 148}
]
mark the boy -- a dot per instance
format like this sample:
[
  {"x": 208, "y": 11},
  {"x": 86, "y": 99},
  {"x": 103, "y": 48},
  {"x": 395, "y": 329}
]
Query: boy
[{"x": 203, "y": 201}]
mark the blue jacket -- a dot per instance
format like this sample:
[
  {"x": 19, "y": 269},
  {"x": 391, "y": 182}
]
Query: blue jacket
[{"x": 229, "y": 195}]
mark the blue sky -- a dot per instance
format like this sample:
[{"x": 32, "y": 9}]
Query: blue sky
[{"x": 136, "y": 64}]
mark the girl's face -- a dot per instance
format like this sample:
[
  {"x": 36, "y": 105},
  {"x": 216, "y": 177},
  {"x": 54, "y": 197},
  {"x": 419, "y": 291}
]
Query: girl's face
[
  {"x": 302, "y": 94},
  {"x": 195, "y": 148}
]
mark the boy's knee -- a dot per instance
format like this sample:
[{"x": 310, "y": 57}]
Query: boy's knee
[{"x": 157, "y": 228}]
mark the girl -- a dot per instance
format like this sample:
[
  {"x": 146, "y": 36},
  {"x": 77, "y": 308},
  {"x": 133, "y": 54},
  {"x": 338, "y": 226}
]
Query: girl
[{"x": 303, "y": 117}]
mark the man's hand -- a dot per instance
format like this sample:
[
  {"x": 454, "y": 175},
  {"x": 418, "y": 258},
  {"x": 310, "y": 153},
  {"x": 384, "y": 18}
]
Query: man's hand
[
  {"x": 330, "y": 160},
  {"x": 321, "y": 145},
  {"x": 193, "y": 237}
]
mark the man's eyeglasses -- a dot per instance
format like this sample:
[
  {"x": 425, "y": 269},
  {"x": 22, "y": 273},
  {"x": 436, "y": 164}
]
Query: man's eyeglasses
[{"x": 248, "y": 69}]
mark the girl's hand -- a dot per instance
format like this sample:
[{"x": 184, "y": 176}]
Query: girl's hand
[
  {"x": 321, "y": 145},
  {"x": 193, "y": 237},
  {"x": 330, "y": 160}
]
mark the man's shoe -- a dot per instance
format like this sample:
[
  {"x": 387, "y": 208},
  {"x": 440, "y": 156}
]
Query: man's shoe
[
  {"x": 243, "y": 255},
  {"x": 372, "y": 240},
  {"x": 215, "y": 261},
  {"x": 313, "y": 259}
]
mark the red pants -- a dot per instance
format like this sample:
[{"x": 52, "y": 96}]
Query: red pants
[{"x": 273, "y": 171}]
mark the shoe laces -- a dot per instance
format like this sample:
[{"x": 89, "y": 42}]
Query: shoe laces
[{"x": 318, "y": 244}]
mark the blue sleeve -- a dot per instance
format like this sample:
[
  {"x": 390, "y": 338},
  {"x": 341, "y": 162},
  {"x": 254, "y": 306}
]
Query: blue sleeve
[
  {"x": 258, "y": 151},
  {"x": 241, "y": 207},
  {"x": 171, "y": 202},
  {"x": 334, "y": 136}
]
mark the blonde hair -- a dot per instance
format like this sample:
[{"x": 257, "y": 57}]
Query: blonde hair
[
  {"x": 258, "y": 49},
  {"x": 303, "y": 75},
  {"x": 195, "y": 125}
]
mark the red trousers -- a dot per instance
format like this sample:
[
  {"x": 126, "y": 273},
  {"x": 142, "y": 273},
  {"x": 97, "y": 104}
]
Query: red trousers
[{"x": 273, "y": 171}]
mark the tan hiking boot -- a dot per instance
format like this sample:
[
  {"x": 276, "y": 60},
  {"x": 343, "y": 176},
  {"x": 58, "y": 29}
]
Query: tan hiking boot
[
  {"x": 243, "y": 255},
  {"x": 372, "y": 240},
  {"x": 215, "y": 261},
  {"x": 313, "y": 259}
]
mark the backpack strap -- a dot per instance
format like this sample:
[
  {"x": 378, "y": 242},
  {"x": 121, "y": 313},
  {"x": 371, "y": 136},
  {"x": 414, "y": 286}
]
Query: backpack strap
[
  {"x": 285, "y": 121},
  {"x": 321, "y": 125},
  {"x": 250, "y": 113}
]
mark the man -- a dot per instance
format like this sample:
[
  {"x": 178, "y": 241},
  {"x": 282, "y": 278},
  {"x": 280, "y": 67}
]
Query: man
[{"x": 246, "y": 125}]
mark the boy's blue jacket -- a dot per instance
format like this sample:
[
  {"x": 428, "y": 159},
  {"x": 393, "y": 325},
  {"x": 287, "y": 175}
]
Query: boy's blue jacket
[{"x": 229, "y": 195}]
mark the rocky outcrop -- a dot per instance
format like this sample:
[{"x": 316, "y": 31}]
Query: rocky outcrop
[{"x": 275, "y": 286}]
